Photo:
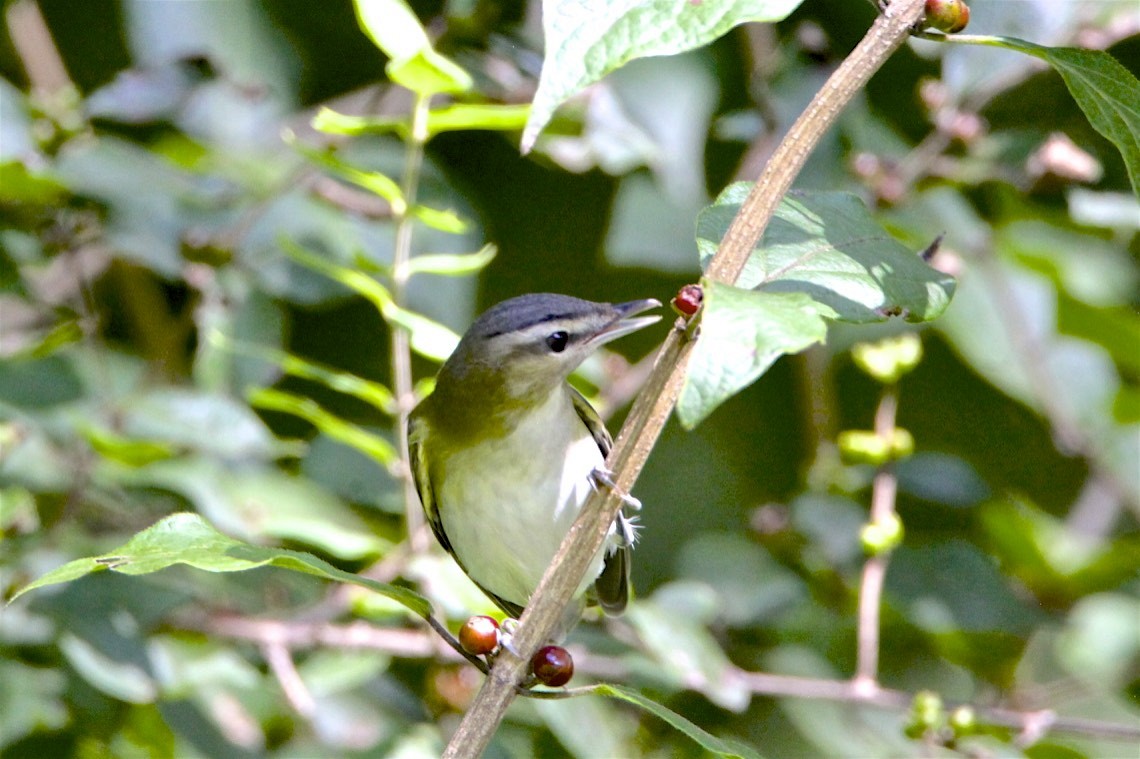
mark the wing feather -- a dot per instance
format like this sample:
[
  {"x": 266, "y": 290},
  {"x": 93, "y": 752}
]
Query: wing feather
[{"x": 612, "y": 586}]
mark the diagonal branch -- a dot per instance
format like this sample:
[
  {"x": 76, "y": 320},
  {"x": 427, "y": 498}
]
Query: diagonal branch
[{"x": 655, "y": 404}]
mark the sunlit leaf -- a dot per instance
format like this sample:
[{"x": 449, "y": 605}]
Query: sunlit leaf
[
  {"x": 453, "y": 264},
  {"x": 451, "y": 118},
  {"x": 585, "y": 40},
  {"x": 742, "y": 333},
  {"x": 189, "y": 539},
  {"x": 443, "y": 220},
  {"x": 373, "y": 181},
  {"x": 413, "y": 63},
  {"x": 428, "y": 338},
  {"x": 827, "y": 245},
  {"x": 330, "y": 424}
]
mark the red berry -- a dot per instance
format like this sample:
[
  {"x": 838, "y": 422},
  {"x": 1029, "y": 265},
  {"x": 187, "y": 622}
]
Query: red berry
[
  {"x": 949, "y": 16},
  {"x": 553, "y": 666},
  {"x": 479, "y": 635},
  {"x": 688, "y": 300}
]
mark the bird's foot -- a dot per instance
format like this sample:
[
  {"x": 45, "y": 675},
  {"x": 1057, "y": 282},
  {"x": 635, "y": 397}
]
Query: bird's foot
[
  {"x": 507, "y": 635},
  {"x": 604, "y": 477}
]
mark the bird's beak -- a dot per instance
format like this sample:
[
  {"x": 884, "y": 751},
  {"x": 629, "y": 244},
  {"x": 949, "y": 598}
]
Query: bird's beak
[{"x": 626, "y": 320}]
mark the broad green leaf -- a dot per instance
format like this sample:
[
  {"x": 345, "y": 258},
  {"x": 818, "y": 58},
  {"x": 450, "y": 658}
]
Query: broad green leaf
[
  {"x": 1101, "y": 638},
  {"x": 211, "y": 424},
  {"x": 708, "y": 741},
  {"x": 188, "y": 539},
  {"x": 1108, "y": 93},
  {"x": 587, "y": 39},
  {"x": 453, "y": 264},
  {"x": 460, "y": 116},
  {"x": 828, "y": 246},
  {"x": 675, "y": 619},
  {"x": 742, "y": 333},
  {"x": 330, "y": 424},
  {"x": 38, "y": 704},
  {"x": 414, "y": 63},
  {"x": 261, "y": 504},
  {"x": 122, "y": 680}
]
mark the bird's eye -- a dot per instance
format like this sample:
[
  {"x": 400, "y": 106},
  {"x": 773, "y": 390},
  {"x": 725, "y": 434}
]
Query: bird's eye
[{"x": 557, "y": 341}]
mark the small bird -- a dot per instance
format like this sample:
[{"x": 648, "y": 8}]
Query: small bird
[{"x": 505, "y": 453}]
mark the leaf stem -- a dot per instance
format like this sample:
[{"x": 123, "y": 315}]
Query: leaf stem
[
  {"x": 883, "y": 491},
  {"x": 401, "y": 349},
  {"x": 656, "y": 402}
]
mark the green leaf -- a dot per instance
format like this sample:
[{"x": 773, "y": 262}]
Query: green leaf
[
  {"x": 330, "y": 424},
  {"x": 490, "y": 116},
  {"x": 460, "y": 116},
  {"x": 373, "y": 393},
  {"x": 428, "y": 338},
  {"x": 188, "y": 539},
  {"x": 587, "y": 39},
  {"x": 829, "y": 246},
  {"x": 126, "y": 450},
  {"x": 453, "y": 264},
  {"x": 707, "y": 741},
  {"x": 21, "y": 185},
  {"x": 742, "y": 333},
  {"x": 1108, "y": 93},
  {"x": 263, "y": 505},
  {"x": 414, "y": 63},
  {"x": 373, "y": 181},
  {"x": 444, "y": 221},
  {"x": 36, "y": 705}
]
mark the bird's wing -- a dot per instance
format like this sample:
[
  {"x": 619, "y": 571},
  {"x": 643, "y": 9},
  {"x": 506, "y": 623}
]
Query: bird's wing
[
  {"x": 417, "y": 431},
  {"x": 612, "y": 586}
]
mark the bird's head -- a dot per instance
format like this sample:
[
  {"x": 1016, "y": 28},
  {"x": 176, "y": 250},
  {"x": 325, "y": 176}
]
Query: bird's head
[{"x": 529, "y": 344}]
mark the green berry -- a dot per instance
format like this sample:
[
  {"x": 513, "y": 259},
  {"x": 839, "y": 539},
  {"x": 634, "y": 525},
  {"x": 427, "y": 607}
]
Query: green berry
[
  {"x": 889, "y": 359},
  {"x": 881, "y": 536}
]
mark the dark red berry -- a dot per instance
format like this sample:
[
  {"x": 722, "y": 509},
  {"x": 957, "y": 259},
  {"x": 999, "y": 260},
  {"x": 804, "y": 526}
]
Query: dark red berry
[
  {"x": 949, "y": 16},
  {"x": 553, "y": 666},
  {"x": 688, "y": 300},
  {"x": 479, "y": 635}
]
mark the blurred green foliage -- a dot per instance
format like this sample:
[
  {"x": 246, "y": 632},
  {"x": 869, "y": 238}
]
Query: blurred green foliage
[{"x": 167, "y": 345}]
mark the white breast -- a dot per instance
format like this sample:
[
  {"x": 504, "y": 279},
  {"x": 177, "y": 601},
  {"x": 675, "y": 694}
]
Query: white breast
[{"x": 507, "y": 503}]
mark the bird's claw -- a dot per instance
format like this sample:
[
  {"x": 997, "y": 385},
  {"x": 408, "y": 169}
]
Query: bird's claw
[
  {"x": 600, "y": 477},
  {"x": 507, "y": 633}
]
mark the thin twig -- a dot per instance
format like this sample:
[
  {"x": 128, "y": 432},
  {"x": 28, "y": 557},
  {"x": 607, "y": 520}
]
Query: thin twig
[
  {"x": 655, "y": 404},
  {"x": 296, "y": 692},
  {"x": 36, "y": 49},
  {"x": 883, "y": 492},
  {"x": 401, "y": 347},
  {"x": 1035, "y": 722},
  {"x": 274, "y": 635}
]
